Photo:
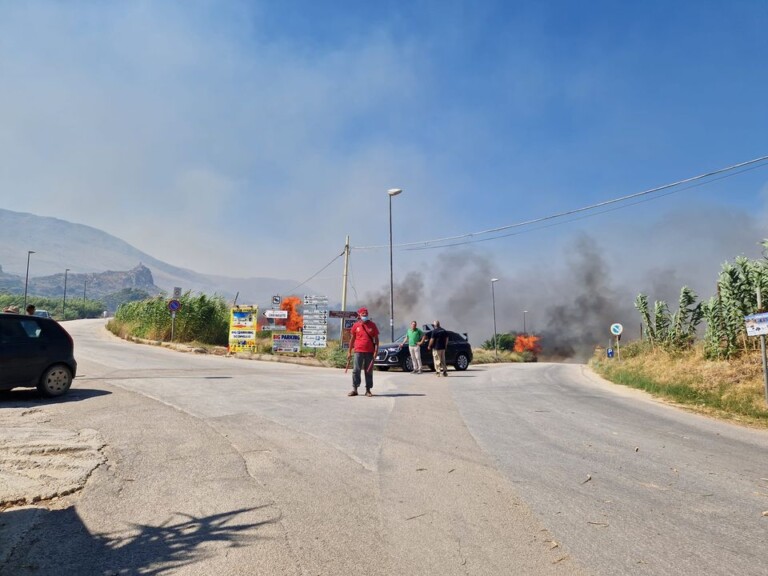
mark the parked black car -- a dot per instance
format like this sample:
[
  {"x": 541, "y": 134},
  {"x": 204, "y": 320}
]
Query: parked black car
[
  {"x": 458, "y": 353},
  {"x": 35, "y": 353}
]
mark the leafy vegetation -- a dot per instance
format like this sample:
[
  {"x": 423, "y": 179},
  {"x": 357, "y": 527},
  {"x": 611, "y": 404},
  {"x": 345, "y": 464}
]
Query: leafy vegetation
[
  {"x": 74, "y": 308},
  {"x": 201, "y": 319},
  {"x": 720, "y": 374}
]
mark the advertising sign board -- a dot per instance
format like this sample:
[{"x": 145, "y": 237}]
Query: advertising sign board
[
  {"x": 242, "y": 328},
  {"x": 288, "y": 342}
]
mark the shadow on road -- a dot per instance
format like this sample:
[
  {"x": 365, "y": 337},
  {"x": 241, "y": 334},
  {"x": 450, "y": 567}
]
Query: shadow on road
[
  {"x": 57, "y": 542},
  {"x": 27, "y": 397},
  {"x": 398, "y": 394}
]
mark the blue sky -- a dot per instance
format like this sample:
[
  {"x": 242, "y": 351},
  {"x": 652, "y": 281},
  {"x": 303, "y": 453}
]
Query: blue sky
[{"x": 249, "y": 138}]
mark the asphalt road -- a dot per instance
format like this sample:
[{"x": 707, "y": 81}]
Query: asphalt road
[{"x": 225, "y": 466}]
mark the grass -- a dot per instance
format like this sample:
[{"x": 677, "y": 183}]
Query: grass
[{"x": 732, "y": 390}]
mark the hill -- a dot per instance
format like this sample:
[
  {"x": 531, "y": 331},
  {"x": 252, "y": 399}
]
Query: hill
[{"x": 87, "y": 252}]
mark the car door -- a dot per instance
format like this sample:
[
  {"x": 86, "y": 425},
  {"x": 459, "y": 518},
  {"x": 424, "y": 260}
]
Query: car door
[
  {"x": 426, "y": 355},
  {"x": 21, "y": 357}
]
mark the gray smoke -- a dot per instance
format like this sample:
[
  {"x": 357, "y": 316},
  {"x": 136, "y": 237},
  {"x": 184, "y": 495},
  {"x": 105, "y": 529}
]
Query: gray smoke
[{"x": 571, "y": 310}]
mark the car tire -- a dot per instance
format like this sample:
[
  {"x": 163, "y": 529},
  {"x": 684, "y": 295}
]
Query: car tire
[
  {"x": 408, "y": 364},
  {"x": 55, "y": 381},
  {"x": 462, "y": 361}
]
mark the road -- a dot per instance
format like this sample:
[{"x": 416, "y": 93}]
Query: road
[{"x": 224, "y": 466}]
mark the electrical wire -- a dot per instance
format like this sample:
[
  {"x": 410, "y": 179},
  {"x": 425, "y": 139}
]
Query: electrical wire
[
  {"x": 318, "y": 272},
  {"x": 425, "y": 244},
  {"x": 584, "y": 217}
]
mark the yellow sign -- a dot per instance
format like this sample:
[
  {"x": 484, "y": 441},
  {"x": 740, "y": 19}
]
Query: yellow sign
[{"x": 242, "y": 328}]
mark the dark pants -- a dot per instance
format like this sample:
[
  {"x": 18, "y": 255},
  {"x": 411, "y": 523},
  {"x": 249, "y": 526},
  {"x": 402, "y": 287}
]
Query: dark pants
[{"x": 362, "y": 362}]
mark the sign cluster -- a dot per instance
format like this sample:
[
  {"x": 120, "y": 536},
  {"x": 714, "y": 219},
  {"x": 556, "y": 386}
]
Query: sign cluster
[{"x": 315, "y": 312}]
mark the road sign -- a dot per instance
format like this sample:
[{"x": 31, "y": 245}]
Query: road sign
[
  {"x": 609, "y": 351},
  {"x": 272, "y": 327},
  {"x": 342, "y": 314},
  {"x": 756, "y": 324},
  {"x": 276, "y": 300},
  {"x": 276, "y": 313},
  {"x": 174, "y": 305},
  {"x": 617, "y": 329},
  {"x": 312, "y": 299},
  {"x": 177, "y": 292}
]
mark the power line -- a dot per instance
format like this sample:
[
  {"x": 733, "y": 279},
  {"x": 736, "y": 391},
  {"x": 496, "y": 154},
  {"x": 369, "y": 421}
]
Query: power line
[
  {"x": 426, "y": 243},
  {"x": 583, "y": 217},
  {"x": 318, "y": 272}
]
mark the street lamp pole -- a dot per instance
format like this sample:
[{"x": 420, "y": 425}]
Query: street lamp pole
[
  {"x": 493, "y": 298},
  {"x": 524, "y": 330},
  {"x": 26, "y": 281},
  {"x": 392, "y": 192},
  {"x": 85, "y": 284},
  {"x": 64, "y": 300}
]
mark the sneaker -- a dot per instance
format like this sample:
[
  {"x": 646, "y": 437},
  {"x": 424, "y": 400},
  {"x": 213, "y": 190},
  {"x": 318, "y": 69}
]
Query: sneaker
[
  {"x": 353, "y": 393},
  {"x": 445, "y": 373},
  {"x": 368, "y": 393},
  {"x": 418, "y": 371}
]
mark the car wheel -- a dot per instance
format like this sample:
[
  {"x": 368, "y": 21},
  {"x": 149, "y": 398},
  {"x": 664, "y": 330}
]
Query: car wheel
[
  {"x": 382, "y": 368},
  {"x": 462, "y": 362},
  {"x": 55, "y": 382},
  {"x": 408, "y": 364}
]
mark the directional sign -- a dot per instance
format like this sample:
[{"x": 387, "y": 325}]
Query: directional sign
[
  {"x": 342, "y": 314},
  {"x": 311, "y": 299},
  {"x": 272, "y": 327},
  {"x": 174, "y": 305},
  {"x": 276, "y": 313},
  {"x": 312, "y": 330},
  {"x": 616, "y": 329}
]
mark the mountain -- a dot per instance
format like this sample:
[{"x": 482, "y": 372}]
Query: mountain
[{"x": 88, "y": 252}]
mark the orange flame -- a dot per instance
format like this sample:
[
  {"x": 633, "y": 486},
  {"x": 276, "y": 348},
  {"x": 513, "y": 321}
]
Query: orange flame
[
  {"x": 525, "y": 343},
  {"x": 295, "y": 322}
]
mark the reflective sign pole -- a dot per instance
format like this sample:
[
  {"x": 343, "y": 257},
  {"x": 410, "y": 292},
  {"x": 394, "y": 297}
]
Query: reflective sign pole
[{"x": 762, "y": 347}]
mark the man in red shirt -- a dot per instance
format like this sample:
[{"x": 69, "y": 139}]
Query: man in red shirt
[{"x": 364, "y": 340}]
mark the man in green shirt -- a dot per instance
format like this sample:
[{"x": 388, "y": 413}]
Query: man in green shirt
[{"x": 415, "y": 338}]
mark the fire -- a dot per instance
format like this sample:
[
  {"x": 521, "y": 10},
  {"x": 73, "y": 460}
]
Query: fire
[
  {"x": 295, "y": 322},
  {"x": 525, "y": 343}
]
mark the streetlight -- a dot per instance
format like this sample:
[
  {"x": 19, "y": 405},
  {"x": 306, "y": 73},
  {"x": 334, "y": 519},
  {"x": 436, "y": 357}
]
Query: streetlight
[
  {"x": 524, "y": 330},
  {"x": 64, "y": 300},
  {"x": 391, "y": 192},
  {"x": 26, "y": 281},
  {"x": 493, "y": 298}
]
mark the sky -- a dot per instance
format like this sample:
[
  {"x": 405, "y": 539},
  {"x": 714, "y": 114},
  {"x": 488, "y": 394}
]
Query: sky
[{"x": 250, "y": 138}]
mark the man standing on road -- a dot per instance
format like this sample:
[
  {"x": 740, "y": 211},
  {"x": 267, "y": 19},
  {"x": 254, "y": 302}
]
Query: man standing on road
[
  {"x": 364, "y": 340},
  {"x": 437, "y": 343},
  {"x": 414, "y": 338}
]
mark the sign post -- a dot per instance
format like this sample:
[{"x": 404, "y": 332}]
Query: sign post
[
  {"x": 757, "y": 324},
  {"x": 174, "y": 306},
  {"x": 616, "y": 330}
]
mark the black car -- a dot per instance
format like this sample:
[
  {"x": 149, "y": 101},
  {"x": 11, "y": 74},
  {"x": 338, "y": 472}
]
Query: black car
[
  {"x": 35, "y": 353},
  {"x": 458, "y": 353}
]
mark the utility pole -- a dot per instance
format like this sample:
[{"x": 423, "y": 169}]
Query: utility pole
[{"x": 344, "y": 288}]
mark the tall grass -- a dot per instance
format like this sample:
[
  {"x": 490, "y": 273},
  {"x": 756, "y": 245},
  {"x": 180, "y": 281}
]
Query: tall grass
[
  {"x": 731, "y": 389},
  {"x": 201, "y": 319}
]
